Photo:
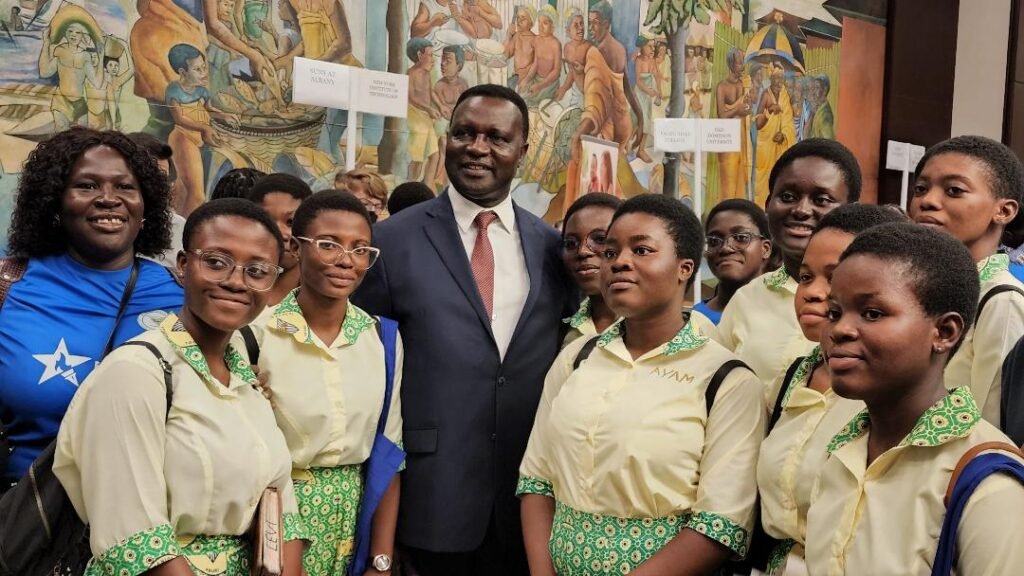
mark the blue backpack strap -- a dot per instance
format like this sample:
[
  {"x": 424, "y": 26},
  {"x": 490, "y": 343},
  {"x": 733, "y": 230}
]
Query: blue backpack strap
[
  {"x": 972, "y": 469},
  {"x": 387, "y": 330}
]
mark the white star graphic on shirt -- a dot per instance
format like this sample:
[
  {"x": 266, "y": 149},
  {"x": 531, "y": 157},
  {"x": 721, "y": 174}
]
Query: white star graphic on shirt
[{"x": 60, "y": 363}]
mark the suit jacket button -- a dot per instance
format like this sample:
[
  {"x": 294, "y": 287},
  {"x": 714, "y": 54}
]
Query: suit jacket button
[
  {"x": 501, "y": 381},
  {"x": 494, "y": 437}
]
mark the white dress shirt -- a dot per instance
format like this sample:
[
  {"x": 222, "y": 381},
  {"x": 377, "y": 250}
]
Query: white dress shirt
[{"x": 511, "y": 278}]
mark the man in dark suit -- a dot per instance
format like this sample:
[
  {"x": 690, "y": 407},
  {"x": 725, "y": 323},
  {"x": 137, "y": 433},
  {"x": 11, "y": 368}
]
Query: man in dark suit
[{"x": 479, "y": 290}]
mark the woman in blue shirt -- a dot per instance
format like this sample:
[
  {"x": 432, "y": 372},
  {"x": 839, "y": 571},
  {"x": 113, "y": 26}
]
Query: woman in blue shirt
[{"x": 88, "y": 203}]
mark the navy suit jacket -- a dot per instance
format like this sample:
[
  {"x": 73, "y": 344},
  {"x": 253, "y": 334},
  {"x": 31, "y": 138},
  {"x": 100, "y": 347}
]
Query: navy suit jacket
[{"x": 467, "y": 414}]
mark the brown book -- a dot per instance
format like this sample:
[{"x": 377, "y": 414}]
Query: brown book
[{"x": 268, "y": 531}]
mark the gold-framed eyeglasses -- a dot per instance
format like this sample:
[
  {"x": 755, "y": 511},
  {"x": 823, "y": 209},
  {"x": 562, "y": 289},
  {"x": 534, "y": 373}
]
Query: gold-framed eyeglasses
[
  {"x": 738, "y": 240},
  {"x": 594, "y": 242},
  {"x": 330, "y": 252},
  {"x": 218, "y": 267}
]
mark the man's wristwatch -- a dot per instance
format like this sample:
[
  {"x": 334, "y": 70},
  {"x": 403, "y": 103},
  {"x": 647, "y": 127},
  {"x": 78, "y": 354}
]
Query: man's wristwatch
[{"x": 382, "y": 563}]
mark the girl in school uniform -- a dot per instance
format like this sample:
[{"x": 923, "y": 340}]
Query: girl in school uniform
[
  {"x": 805, "y": 413},
  {"x": 902, "y": 298},
  {"x": 326, "y": 371},
  {"x": 970, "y": 187},
  {"x": 809, "y": 180},
  {"x": 169, "y": 490},
  {"x": 583, "y": 233},
  {"x": 626, "y": 469}
]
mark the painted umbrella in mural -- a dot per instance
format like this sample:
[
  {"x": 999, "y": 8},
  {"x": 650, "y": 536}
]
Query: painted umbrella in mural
[{"x": 773, "y": 43}]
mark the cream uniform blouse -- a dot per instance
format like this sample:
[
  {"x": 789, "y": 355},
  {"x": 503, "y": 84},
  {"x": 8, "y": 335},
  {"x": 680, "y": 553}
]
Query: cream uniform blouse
[
  {"x": 760, "y": 326},
  {"x": 794, "y": 452},
  {"x": 884, "y": 519},
  {"x": 979, "y": 360},
  {"x": 632, "y": 438},
  {"x": 327, "y": 398},
  {"x": 145, "y": 480},
  {"x": 581, "y": 325}
]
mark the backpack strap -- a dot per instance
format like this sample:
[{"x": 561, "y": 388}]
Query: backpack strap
[
  {"x": 387, "y": 331},
  {"x": 786, "y": 382},
  {"x": 584, "y": 352},
  {"x": 165, "y": 367},
  {"x": 129, "y": 288},
  {"x": 718, "y": 378},
  {"x": 995, "y": 291},
  {"x": 970, "y": 455},
  {"x": 252, "y": 347},
  {"x": 11, "y": 270}
]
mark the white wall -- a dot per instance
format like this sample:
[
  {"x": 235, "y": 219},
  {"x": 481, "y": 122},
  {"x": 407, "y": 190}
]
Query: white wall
[{"x": 979, "y": 88}]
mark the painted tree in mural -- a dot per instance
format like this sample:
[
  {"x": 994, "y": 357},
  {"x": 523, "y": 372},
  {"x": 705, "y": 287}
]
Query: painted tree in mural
[
  {"x": 395, "y": 19},
  {"x": 672, "y": 18}
]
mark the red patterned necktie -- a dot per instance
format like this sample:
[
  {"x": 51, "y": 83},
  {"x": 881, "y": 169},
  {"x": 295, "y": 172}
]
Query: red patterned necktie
[{"x": 482, "y": 261}]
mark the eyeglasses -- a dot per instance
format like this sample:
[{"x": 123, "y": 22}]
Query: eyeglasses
[
  {"x": 218, "y": 267},
  {"x": 330, "y": 252},
  {"x": 738, "y": 240},
  {"x": 594, "y": 242}
]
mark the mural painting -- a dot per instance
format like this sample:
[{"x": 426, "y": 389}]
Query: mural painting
[{"x": 213, "y": 79}]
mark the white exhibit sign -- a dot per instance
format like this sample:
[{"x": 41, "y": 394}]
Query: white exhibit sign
[
  {"x": 904, "y": 157},
  {"x": 720, "y": 135},
  {"x": 321, "y": 83},
  {"x": 381, "y": 93},
  {"x": 675, "y": 134}
]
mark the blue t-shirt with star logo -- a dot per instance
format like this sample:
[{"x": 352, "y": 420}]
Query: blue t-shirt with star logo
[{"x": 53, "y": 327}]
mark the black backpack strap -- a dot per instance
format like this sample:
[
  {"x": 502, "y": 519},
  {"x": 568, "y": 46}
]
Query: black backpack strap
[
  {"x": 165, "y": 367},
  {"x": 786, "y": 382},
  {"x": 252, "y": 347},
  {"x": 584, "y": 352},
  {"x": 995, "y": 291},
  {"x": 718, "y": 378},
  {"x": 129, "y": 288}
]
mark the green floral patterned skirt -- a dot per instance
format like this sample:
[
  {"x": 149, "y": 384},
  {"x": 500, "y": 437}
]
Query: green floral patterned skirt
[
  {"x": 588, "y": 544},
  {"x": 206, "y": 555},
  {"x": 329, "y": 505}
]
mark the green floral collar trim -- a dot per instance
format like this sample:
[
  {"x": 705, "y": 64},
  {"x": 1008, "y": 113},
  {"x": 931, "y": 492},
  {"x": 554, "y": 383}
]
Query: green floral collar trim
[
  {"x": 688, "y": 338},
  {"x": 803, "y": 372},
  {"x": 948, "y": 419},
  {"x": 776, "y": 280},
  {"x": 581, "y": 316},
  {"x": 994, "y": 264},
  {"x": 183, "y": 343},
  {"x": 287, "y": 317}
]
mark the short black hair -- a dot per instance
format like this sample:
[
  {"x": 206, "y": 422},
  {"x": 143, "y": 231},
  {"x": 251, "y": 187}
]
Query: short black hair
[
  {"x": 502, "y": 93},
  {"x": 599, "y": 199},
  {"x": 408, "y": 194},
  {"x": 160, "y": 150},
  {"x": 236, "y": 183},
  {"x": 856, "y": 218},
  {"x": 752, "y": 210},
  {"x": 323, "y": 201},
  {"x": 230, "y": 207},
  {"x": 34, "y": 232},
  {"x": 279, "y": 182},
  {"x": 825, "y": 149},
  {"x": 941, "y": 269},
  {"x": 1005, "y": 170},
  {"x": 680, "y": 221}
]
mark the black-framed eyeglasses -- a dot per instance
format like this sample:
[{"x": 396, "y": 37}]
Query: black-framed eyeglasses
[
  {"x": 218, "y": 267},
  {"x": 330, "y": 252},
  {"x": 738, "y": 240},
  {"x": 594, "y": 242}
]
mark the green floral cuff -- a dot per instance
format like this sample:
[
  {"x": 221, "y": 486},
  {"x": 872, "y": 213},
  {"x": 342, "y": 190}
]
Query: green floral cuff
[
  {"x": 778, "y": 556},
  {"x": 721, "y": 530},
  {"x": 532, "y": 485},
  {"x": 138, "y": 553},
  {"x": 294, "y": 527},
  {"x": 401, "y": 467}
]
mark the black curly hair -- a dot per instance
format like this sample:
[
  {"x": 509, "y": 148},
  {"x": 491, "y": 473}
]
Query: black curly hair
[
  {"x": 327, "y": 200},
  {"x": 1004, "y": 170},
  {"x": 825, "y": 149},
  {"x": 236, "y": 183},
  {"x": 682, "y": 224},
  {"x": 44, "y": 180},
  {"x": 856, "y": 218},
  {"x": 942, "y": 271}
]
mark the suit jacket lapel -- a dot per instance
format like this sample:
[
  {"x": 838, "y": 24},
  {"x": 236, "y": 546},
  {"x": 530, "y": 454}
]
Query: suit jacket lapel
[
  {"x": 443, "y": 232},
  {"x": 533, "y": 252}
]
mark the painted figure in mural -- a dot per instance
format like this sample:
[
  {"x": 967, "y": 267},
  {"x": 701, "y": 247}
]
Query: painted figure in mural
[
  {"x": 446, "y": 94},
  {"x": 189, "y": 102},
  {"x": 775, "y": 130},
  {"x": 104, "y": 97},
  {"x": 802, "y": 109},
  {"x": 478, "y": 18},
  {"x": 822, "y": 124},
  {"x": 323, "y": 26},
  {"x": 220, "y": 30},
  {"x": 73, "y": 59},
  {"x": 648, "y": 82},
  {"x": 542, "y": 79},
  {"x": 732, "y": 102},
  {"x": 15, "y": 23},
  {"x": 664, "y": 63},
  {"x": 574, "y": 55},
  {"x": 615, "y": 58},
  {"x": 423, "y": 140},
  {"x": 594, "y": 180},
  {"x": 520, "y": 46}
]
